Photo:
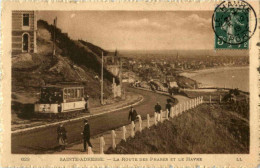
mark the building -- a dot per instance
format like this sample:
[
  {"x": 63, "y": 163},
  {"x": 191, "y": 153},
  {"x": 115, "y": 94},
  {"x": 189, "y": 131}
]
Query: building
[
  {"x": 24, "y": 28},
  {"x": 113, "y": 64},
  {"x": 128, "y": 77},
  {"x": 114, "y": 69}
]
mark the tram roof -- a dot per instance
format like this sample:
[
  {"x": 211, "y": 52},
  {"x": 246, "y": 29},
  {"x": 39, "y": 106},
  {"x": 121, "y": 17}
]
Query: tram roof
[{"x": 61, "y": 86}]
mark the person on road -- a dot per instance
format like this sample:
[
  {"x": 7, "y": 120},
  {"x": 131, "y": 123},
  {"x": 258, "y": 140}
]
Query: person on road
[
  {"x": 157, "y": 109},
  {"x": 62, "y": 137},
  {"x": 86, "y": 135},
  {"x": 86, "y": 98},
  {"x": 132, "y": 115},
  {"x": 168, "y": 107}
]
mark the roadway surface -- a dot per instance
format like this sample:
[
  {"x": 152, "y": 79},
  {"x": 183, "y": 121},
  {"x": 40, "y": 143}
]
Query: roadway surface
[{"x": 44, "y": 140}]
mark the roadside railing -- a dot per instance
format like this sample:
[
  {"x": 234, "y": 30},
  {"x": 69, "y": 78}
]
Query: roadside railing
[{"x": 175, "y": 111}]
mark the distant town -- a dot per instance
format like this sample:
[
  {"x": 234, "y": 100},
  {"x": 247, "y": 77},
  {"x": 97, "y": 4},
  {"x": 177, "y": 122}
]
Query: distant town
[{"x": 166, "y": 69}]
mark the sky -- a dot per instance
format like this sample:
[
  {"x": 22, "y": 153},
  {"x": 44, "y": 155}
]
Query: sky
[{"x": 137, "y": 30}]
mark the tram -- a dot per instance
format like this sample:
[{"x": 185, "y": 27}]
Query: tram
[{"x": 61, "y": 100}]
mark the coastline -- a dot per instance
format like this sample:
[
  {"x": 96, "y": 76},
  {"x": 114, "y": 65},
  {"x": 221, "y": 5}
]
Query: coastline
[{"x": 191, "y": 74}]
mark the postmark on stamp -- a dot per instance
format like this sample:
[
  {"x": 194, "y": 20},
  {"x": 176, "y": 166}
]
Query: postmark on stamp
[{"x": 234, "y": 23}]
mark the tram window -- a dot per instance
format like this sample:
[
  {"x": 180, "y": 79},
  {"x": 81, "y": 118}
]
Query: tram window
[
  {"x": 60, "y": 96},
  {"x": 65, "y": 93},
  {"x": 72, "y": 93},
  {"x": 78, "y": 93},
  {"x": 75, "y": 93},
  {"x": 69, "y": 93},
  {"x": 81, "y": 93},
  {"x": 69, "y": 90}
]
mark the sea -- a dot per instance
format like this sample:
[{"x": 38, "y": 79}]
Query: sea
[{"x": 229, "y": 78}]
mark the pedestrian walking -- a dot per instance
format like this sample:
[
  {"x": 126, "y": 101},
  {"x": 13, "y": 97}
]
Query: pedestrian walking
[
  {"x": 62, "y": 137},
  {"x": 168, "y": 106},
  {"x": 157, "y": 109},
  {"x": 132, "y": 115},
  {"x": 86, "y": 135},
  {"x": 86, "y": 98}
]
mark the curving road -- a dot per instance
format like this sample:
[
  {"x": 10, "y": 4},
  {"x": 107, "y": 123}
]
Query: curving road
[{"x": 45, "y": 140}]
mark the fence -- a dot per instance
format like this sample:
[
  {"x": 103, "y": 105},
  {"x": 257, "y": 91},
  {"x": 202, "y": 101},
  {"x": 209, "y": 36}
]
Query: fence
[
  {"x": 138, "y": 127},
  {"x": 208, "y": 98},
  {"x": 214, "y": 99}
]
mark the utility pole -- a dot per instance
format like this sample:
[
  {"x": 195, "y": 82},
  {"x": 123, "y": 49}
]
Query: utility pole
[
  {"x": 121, "y": 71},
  {"x": 120, "y": 76},
  {"x": 102, "y": 64},
  {"x": 54, "y": 36}
]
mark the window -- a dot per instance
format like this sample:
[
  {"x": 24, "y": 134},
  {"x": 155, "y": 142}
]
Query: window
[
  {"x": 78, "y": 93},
  {"x": 82, "y": 90},
  {"x": 81, "y": 93},
  {"x": 25, "y": 19},
  {"x": 69, "y": 93},
  {"x": 25, "y": 43},
  {"x": 65, "y": 93},
  {"x": 75, "y": 93},
  {"x": 72, "y": 93}
]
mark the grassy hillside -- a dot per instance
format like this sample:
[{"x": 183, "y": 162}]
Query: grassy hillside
[
  {"x": 78, "y": 54},
  {"x": 93, "y": 48},
  {"x": 73, "y": 62},
  {"x": 206, "y": 129}
]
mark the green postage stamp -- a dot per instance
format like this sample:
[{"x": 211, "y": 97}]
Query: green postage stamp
[{"x": 231, "y": 24}]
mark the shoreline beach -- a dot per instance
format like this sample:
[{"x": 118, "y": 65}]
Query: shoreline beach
[
  {"x": 223, "y": 77},
  {"x": 191, "y": 74}
]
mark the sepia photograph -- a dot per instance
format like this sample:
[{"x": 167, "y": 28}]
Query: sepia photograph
[{"x": 130, "y": 82}]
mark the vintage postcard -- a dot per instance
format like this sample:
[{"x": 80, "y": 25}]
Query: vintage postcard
[{"x": 130, "y": 84}]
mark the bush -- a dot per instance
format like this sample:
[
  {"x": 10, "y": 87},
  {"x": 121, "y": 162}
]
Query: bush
[
  {"x": 241, "y": 107},
  {"x": 234, "y": 91}
]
